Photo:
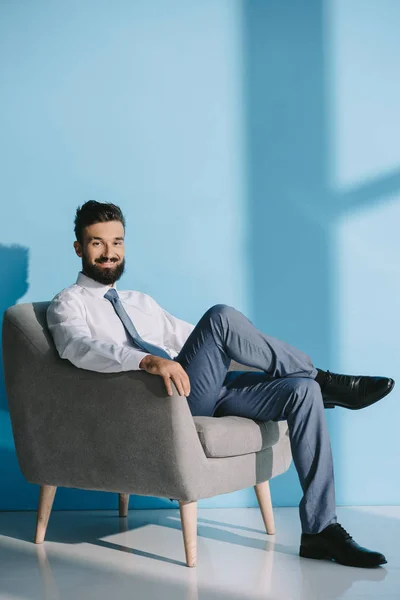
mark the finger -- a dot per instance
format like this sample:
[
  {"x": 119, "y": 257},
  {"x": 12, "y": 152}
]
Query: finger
[
  {"x": 187, "y": 385},
  {"x": 178, "y": 384},
  {"x": 168, "y": 385}
]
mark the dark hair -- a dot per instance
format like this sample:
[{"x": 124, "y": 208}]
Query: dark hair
[{"x": 95, "y": 212}]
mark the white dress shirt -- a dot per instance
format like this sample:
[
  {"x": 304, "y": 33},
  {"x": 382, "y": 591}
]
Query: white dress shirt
[{"x": 88, "y": 332}]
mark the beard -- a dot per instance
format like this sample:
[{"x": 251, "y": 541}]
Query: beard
[{"x": 104, "y": 275}]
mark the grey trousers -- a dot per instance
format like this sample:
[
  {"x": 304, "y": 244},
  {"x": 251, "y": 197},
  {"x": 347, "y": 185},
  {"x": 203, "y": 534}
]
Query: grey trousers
[{"x": 284, "y": 390}]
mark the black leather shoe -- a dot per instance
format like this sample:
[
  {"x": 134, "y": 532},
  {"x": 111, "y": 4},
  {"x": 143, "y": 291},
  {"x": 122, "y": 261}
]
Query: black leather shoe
[
  {"x": 334, "y": 543},
  {"x": 352, "y": 391}
]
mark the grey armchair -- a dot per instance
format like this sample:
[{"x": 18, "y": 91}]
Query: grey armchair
[{"x": 121, "y": 432}]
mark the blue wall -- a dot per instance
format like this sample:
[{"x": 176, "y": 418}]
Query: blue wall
[{"x": 253, "y": 149}]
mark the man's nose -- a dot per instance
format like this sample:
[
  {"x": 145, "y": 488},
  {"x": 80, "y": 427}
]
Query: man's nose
[{"x": 108, "y": 253}]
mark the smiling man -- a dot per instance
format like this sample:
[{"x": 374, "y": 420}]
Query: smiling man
[
  {"x": 99, "y": 328},
  {"x": 105, "y": 270}
]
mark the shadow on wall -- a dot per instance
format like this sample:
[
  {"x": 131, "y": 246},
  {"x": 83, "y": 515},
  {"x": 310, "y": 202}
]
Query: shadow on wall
[
  {"x": 293, "y": 211},
  {"x": 14, "y": 277}
]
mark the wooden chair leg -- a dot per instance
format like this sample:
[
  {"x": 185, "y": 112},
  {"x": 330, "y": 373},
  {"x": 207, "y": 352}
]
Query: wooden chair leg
[
  {"x": 188, "y": 512},
  {"x": 46, "y": 498},
  {"x": 123, "y": 505},
  {"x": 264, "y": 500}
]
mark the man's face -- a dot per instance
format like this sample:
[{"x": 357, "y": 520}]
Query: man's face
[{"x": 102, "y": 251}]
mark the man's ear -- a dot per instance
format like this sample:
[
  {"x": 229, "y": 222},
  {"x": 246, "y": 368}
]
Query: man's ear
[{"x": 78, "y": 249}]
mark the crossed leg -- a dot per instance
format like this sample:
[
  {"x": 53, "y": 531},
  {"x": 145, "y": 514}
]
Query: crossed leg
[{"x": 284, "y": 389}]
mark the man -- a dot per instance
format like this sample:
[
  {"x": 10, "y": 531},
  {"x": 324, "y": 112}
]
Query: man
[{"x": 98, "y": 328}]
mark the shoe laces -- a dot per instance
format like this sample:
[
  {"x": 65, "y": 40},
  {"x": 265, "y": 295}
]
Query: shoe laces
[
  {"x": 340, "y": 379},
  {"x": 329, "y": 377},
  {"x": 340, "y": 531}
]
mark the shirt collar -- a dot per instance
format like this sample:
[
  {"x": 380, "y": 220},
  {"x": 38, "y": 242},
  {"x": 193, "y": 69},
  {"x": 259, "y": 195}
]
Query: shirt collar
[{"x": 99, "y": 289}]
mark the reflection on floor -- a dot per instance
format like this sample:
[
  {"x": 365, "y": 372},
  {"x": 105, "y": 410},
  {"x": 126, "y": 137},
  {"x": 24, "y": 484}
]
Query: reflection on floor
[{"x": 97, "y": 555}]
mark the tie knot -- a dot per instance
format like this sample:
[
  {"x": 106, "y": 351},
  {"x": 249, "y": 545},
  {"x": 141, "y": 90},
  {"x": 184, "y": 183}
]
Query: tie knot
[{"x": 112, "y": 294}]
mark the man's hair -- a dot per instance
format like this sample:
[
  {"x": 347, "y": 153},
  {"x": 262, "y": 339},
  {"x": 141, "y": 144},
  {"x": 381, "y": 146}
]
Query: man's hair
[{"x": 95, "y": 212}]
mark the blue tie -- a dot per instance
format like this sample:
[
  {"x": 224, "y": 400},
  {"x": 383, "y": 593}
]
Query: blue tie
[{"x": 112, "y": 296}]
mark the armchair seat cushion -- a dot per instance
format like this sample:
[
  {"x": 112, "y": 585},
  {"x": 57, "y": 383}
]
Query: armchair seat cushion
[{"x": 233, "y": 436}]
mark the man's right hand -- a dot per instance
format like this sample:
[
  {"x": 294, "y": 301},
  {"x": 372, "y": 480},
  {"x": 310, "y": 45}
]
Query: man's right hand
[{"x": 167, "y": 369}]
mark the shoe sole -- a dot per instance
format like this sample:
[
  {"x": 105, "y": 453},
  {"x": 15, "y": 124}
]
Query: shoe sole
[
  {"x": 319, "y": 555},
  {"x": 334, "y": 404}
]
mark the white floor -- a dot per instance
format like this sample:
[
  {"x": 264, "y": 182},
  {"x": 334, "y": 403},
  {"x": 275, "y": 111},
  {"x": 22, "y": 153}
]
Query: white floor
[{"x": 97, "y": 555}]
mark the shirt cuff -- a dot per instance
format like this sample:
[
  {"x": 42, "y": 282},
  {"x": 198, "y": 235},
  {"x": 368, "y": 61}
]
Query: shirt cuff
[{"x": 133, "y": 360}]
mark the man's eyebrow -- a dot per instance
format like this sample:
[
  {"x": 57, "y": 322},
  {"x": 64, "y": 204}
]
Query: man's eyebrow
[{"x": 95, "y": 237}]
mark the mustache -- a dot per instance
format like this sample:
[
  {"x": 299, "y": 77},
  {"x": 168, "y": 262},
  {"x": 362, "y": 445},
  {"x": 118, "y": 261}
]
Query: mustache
[{"x": 107, "y": 260}]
